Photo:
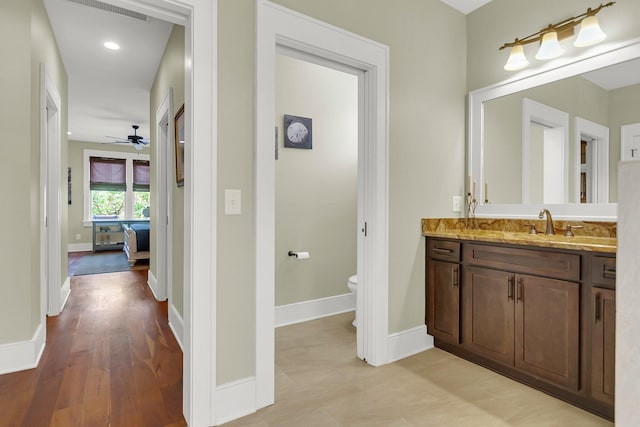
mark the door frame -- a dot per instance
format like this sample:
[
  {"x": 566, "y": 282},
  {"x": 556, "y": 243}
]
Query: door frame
[
  {"x": 278, "y": 26},
  {"x": 53, "y": 294},
  {"x": 199, "y": 17},
  {"x": 163, "y": 196}
]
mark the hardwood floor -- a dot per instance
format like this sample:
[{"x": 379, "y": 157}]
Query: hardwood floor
[{"x": 110, "y": 360}]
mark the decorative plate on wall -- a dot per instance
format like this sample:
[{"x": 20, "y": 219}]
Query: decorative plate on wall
[{"x": 297, "y": 132}]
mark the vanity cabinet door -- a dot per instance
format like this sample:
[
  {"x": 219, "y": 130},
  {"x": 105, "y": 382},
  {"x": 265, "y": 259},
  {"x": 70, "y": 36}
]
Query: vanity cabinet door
[
  {"x": 489, "y": 313},
  {"x": 443, "y": 301},
  {"x": 548, "y": 329},
  {"x": 603, "y": 343}
]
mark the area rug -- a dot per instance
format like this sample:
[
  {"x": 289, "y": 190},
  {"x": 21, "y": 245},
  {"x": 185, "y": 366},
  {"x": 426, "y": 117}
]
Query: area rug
[{"x": 106, "y": 263}]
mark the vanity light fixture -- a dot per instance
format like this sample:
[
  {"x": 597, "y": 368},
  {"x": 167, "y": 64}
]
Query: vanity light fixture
[{"x": 550, "y": 37}]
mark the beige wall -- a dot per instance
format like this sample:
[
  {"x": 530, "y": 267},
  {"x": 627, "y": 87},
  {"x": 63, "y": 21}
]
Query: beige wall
[
  {"x": 500, "y": 21},
  {"x": 76, "y": 208},
  {"x": 426, "y": 151},
  {"x": 170, "y": 74},
  {"x": 25, "y": 25},
  {"x": 316, "y": 190}
]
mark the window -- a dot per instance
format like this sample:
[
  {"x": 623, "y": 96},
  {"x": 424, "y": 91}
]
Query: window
[
  {"x": 141, "y": 174},
  {"x": 116, "y": 185},
  {"x": 108, "y": 184}
]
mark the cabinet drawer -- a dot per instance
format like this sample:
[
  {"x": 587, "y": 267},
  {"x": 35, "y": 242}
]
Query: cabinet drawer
[
  {"x": 540, "y": 263},
  {"x": 444, "y": 250},
  {"x": 603, "y": 271}
]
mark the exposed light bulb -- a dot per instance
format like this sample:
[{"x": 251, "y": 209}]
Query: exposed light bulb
[
  {"x": 112, "y": 45},
  {"x": 549, "y": 47},
  {"x": 517, "y": 60},
  {"x": 590, "y": 32}
]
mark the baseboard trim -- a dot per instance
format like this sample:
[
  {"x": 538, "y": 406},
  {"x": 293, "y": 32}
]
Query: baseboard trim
[
  {"x": 235, "y": 399},
  {"x": 80, "y": 247},
  {"x": 22, "y": 355},
  {"x": 314, "y": 309},
  {"x": 409, "y": 342},
  {"x": 176, "y": 324},
  {"x": 65, "y": 291},
  {"x": 153, "y": 285}
]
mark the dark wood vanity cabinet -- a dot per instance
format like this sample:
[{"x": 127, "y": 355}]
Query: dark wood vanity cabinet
[
  {"x": 525, "y": 321},
  {"x": 603, "y": 329},
  {"x": 443, "y": 294},
  {"x": 603, "y": 344},
  {"x": 522, "y": 311}
]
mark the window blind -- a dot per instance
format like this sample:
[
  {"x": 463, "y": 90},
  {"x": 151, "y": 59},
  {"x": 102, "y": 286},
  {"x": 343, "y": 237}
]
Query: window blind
[
  {"x": 107, "y": 174},
  {"x": 141, "y": 174}
]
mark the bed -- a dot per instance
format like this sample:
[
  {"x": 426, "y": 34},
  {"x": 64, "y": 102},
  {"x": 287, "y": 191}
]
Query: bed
[{"x": 136, "y": 241}]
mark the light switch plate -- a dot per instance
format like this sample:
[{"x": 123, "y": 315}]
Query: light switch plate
[
  {"x": 232, "y": 202},
  {"x": 457, "y": 203}
]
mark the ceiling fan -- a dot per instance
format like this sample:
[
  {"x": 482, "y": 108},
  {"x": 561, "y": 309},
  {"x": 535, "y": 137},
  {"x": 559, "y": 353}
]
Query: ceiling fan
[{"x": 136, "y": 140}]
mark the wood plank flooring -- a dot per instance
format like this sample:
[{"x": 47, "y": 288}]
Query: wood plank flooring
[{"x": 110, "y": 360}]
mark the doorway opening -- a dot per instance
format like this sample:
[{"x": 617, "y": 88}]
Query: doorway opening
[
  {"x": 199, "y": 20},
  {"x": 316, "y": 180},
  {"x": 278, "y": 28}
]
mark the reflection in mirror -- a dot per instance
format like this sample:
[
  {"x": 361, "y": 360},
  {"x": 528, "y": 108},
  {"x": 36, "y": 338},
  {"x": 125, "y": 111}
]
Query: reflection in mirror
[
  {"x": 545, "y": 147},
  {"x": 593, "y": 99},
  {"x": 520, "y": 170},
  {"x": 591, "y": 162}
]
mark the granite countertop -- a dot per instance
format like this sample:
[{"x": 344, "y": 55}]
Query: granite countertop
[{"x": 594, "y": 236}]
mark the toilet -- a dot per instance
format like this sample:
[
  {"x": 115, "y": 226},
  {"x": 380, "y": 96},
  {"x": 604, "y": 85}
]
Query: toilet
[{"x": 352, "y": 284}]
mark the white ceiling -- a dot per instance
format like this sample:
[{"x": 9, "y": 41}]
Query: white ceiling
[
  {"x": 616, "y": 76},
  {"x": 108, "y": 90},
  {"x": 466, "y": 6}
]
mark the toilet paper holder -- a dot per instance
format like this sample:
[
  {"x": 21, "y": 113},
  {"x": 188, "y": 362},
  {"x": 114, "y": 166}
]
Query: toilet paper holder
[{"x": 299, "y": 255}]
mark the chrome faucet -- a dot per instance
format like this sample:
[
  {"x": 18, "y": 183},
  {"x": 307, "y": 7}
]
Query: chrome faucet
[{"x": 549, "y": 229}]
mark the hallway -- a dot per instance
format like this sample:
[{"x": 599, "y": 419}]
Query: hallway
[{"x": 110, "y": 360}]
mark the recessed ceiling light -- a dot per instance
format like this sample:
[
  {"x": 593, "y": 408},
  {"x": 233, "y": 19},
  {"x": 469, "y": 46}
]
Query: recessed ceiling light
[
  {"x": 68, "y": 132},
  {"x": 112, "y": 45}
]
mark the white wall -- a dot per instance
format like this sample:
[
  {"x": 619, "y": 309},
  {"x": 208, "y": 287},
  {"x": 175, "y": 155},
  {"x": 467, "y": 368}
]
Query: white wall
[{"x": 316, "y": 190}]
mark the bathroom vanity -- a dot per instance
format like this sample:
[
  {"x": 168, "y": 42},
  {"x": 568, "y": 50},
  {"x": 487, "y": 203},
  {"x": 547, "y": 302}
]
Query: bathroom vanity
[{"x": 539, "y": 309}]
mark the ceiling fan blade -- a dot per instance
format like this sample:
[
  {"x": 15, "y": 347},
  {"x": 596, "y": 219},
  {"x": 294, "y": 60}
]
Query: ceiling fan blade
[{"x": 117, "y": 139}]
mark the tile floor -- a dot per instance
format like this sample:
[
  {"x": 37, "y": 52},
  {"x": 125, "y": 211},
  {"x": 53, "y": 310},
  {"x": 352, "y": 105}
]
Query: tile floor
[{"x": 320, "y": 382}]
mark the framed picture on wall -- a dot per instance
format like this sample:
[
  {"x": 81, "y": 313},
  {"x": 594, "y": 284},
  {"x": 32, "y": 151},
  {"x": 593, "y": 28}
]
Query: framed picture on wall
[
  {"x": 297, "y": 132},
  {"x": 69, "y": 185},
  {"x": 179, "y": 141}
]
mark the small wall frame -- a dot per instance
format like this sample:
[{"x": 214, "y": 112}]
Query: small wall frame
[
  {"x": 179, "y": 143},
  {"x": 298, "y": 132}
]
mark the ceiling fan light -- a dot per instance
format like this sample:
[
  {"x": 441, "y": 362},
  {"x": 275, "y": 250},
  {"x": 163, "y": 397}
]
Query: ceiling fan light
[
  {"x": 590, "y": 32},
  {"x": 517, "y": 60},
  {"x": 549, "y": 47}
]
